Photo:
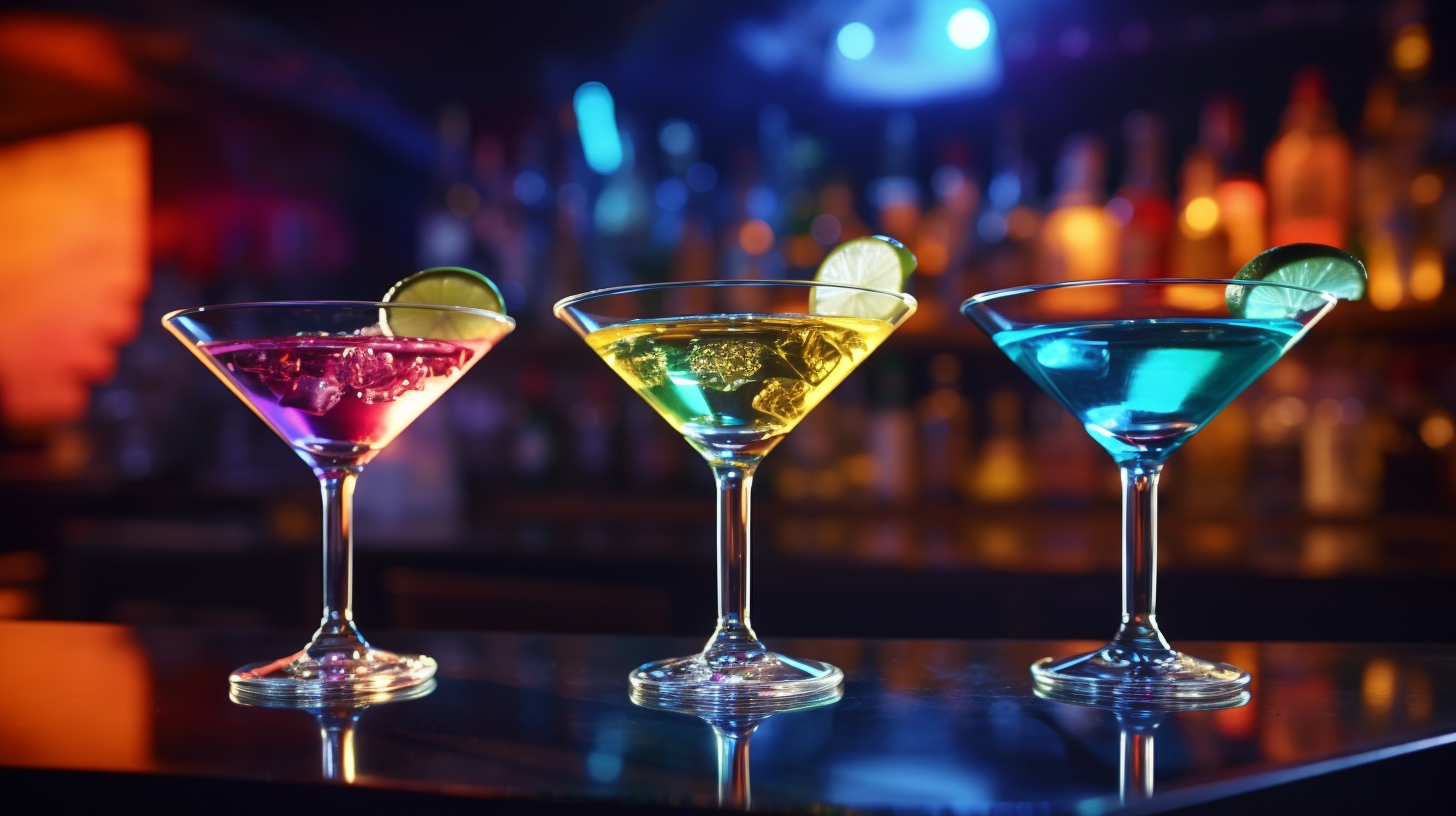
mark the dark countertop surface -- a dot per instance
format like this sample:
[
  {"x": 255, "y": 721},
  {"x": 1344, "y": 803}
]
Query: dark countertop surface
[{"x": 923, "y": 725}]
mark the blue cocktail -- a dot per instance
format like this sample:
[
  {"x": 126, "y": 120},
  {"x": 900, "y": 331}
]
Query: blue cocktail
[
  {"x": 1143, "y": 375},
  {"x": 1143, "y": 387}
]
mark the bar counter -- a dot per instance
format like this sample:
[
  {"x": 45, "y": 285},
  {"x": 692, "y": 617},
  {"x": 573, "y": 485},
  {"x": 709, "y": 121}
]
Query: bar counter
[{"x": 522, "y": 721}]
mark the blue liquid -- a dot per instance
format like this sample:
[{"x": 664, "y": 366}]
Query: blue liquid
[{"x": 1142, "y": 387}]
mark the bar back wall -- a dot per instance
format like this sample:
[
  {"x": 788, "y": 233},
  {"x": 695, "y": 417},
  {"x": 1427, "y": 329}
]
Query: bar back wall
[{"x": 162, "y": 155}]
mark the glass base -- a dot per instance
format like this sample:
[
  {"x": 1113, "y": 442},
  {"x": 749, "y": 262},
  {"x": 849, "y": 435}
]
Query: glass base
[
  {"x": 768, "y": 681},
  {"x": 1156, "y": 679},
  {"x": 304, "y": 679}
]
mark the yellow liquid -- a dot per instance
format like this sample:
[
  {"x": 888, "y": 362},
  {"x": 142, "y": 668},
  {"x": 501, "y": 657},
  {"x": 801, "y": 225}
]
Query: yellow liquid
[{"x": 737, "y": 382}]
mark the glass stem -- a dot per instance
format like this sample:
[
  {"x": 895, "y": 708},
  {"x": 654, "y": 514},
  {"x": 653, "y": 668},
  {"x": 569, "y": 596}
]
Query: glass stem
[
  {"x": 1139, "y": 630},
  {"x": 733, "y": 641},
  {"x": 337, "y": 733},
  {"x": 733, "y": 786},
  {"x": 336, "y": 631},
  {"x": 1135, "y": 775}
]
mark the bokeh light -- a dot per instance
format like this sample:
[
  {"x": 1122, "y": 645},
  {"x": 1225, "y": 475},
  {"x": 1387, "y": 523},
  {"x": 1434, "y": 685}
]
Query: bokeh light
[
  {"x": 1411, "y": 51},
  {"x": 701, "y": 177},
  {"x": 671, "y": 194},
  {"x": 755, "y": 237},
  {"x": 1437, "y": 430},
  {"x": 1200, "y": 216},
  {"x": 596, "y": 123},
  {"x": 856, "y": 41},
  {"x": 676, "y": 137},
  {"x": 1426, "y": 189},
  {"x": 969, "y": 28}
]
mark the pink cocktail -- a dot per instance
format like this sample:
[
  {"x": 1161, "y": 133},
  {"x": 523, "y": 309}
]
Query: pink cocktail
[
  {"x": 342, "y": 396},
  {"x": 337, "y": 381}
]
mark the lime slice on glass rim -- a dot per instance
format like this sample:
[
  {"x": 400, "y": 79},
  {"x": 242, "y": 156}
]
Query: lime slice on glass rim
[
  {"x": 1311, "y": 266},
  {"x": 875, "y": 262},
  {"x": 443, "y": 286}
]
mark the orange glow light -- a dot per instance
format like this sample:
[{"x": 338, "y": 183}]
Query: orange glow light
[
  {"x": 756, "y": 237},
  {"x": 73, "y": 266},
  {"x": 1428, "y": 274},
  {"x": 1385, "y": 290},
  {"x": 1242, "y": 208},
  {"x": 932, "y": 256},
  {"x": 95, "y": 715},
  {"x": 1200, "y": 216},
  {"x": 82, "y": 52},
  {"x": 1411, "y": 52},
  {"x": 1425, "y": 189},
  {"x": 804, "y": 251},
  {"x": 1437, "y": 430}
]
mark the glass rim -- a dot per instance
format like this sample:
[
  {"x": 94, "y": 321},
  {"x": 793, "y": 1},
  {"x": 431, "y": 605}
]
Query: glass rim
[
  {"x": 997, "y": 294},
  {"x": 567, "y": 302},
  {"x": 357, "y": 304}
]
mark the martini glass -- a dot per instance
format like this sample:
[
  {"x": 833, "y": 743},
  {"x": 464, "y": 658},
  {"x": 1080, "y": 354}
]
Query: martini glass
[
  {"x": 1144, "y": 364},
  {"x": 337, "y": 381},
  {"x": 733, "y": 366}
]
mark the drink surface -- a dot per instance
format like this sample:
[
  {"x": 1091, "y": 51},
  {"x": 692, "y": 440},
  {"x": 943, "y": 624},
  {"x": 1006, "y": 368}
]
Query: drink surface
[
  {"x": 737, "y": 382},
  {"x": 1142, "y": 387},
  {"x": 341, "y": 396}
]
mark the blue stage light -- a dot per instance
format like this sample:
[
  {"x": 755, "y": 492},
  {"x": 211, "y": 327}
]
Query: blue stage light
[
  {"x": 931, "y": 50},
  {"x": 596, "y": 122},
  {"x": 856, "y": 41},
  {"x": 969, "y": 28}
]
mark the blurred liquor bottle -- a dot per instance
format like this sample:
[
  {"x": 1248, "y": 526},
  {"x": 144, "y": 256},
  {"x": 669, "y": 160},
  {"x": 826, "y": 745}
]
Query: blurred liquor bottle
[
  {"x": 896, "y": 193},
  {"x": 1307, "y": 169},
  {"x": 852, "y": 422},
  {"x": 837, "y": 202},
  {"x": 593, "y": 423},
  {"x": 806, "y": 465},
  {"x": 1216, "y": 460},
  {"x": 1200, "y": 246},
  {"x": 1001, "y": 475},
  {"x": 445, "y": 234},
  {"x": 1281, "y": 409},
  {"x": 945, "y": 419},
  {"x": 498, "y": 223},
  {"x": 1343, "y": 466},
  {"x": 1069, "y": 467},
  {"x": 1008, "y": 223},
  {"x": 1243, "y": 205},
  {"x": 1079, "y": 238},
  {"x": 534, "y": 437},
  {"x": 945, "y": 237},
  {"x": 1221, "y": 211},
  {"x": 525, "y": 193},
  {"x": 1141, "y": 204},
  {"x": 801, "y": 250},
  {"x": 752, "y": 251},
  {"x": 1415, "y": 431},
  {"x": 1396, "y": 185},
  {"x": 892, "y": 433},
  {"x": 896, "y": 197}
]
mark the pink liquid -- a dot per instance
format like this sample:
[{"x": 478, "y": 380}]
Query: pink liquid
[{"x": 342, "y": 397}]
